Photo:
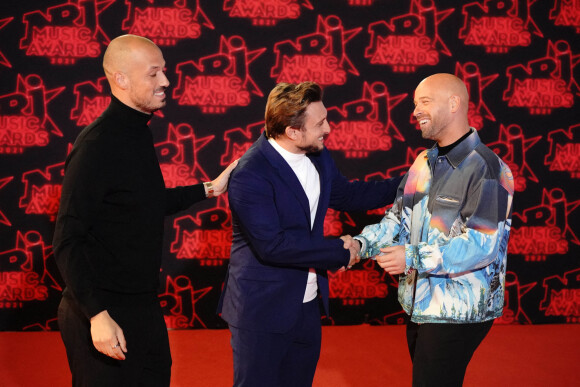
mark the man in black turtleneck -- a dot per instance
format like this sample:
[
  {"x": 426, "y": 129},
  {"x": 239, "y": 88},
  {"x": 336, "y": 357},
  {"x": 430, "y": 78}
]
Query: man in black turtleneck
[{"x": 109, "y": 230}]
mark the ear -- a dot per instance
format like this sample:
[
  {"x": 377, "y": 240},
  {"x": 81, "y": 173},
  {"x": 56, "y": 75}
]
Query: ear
[
  {"x": 121, "y": 80},
  {"x": 454, "y": 103},
  {"x": 291, "y": 132}
]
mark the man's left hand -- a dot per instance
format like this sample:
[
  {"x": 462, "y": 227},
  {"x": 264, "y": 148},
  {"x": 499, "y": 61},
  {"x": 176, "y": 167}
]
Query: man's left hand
[
  {"x": 220, "y": 184},
  {"x": 392, "y": 259}
]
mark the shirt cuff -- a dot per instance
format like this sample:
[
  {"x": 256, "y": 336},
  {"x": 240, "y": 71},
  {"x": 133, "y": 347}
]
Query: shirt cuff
[{"x": 363, "y": 246}]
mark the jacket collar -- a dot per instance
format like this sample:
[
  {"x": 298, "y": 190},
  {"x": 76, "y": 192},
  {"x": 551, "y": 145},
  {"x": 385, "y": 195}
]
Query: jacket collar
[
  {"x": 459, "y": 152},
  {"x": 286, "y": 173}
]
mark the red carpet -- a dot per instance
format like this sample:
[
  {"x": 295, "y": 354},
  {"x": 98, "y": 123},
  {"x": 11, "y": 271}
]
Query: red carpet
[{"x": 532, "y": 355}]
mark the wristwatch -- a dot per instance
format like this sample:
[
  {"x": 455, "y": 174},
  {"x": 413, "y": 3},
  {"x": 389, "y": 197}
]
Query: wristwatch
[{"x": 208, "y": 189}]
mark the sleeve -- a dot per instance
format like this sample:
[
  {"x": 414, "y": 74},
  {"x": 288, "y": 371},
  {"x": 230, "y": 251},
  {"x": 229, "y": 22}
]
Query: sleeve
[
  {"x": 181, "y": 198},
  {"x": 382, "y": 234},
  {"x": 253, "y": 204},
  {"x": 386, "y": 232},
  {"x": 359, "y": 195},
  {"x": 475, "y": 237},
  {"x": 82, "y": 192}
]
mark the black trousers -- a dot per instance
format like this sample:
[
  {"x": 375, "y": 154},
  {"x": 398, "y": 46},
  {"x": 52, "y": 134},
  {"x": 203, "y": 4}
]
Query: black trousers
[
  {"x": 441, "y": 352},
  {"x": 148, "y": 359},
  {"x": 265, "y": 359}
]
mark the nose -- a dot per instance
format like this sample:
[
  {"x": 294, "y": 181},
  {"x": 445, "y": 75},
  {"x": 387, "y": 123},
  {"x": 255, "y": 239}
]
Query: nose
[
  {"x": 163, "y": 80},
  {"x": 326, "y": 127},
  {"x": 415, "y": 111}
]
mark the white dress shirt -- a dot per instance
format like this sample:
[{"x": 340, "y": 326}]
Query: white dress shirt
[{"x": 308, "y": 176}]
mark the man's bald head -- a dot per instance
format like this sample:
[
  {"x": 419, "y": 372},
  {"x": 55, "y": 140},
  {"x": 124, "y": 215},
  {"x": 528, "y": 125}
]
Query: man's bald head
[
  {"x": 449, "y": 85},
  {"x": 135, "y": 67},
  {"x": 441, "y": 108},
  {"x": 120, "y": 52}
]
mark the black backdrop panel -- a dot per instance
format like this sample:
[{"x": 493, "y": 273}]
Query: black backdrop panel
[{"x": 518, "y": 58}]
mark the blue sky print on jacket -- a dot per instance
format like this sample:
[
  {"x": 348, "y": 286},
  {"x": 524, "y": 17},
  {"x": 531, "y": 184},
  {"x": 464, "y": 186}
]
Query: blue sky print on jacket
[{"x": 455, "y": 230}]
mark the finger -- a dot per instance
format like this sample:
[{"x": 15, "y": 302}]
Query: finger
[
  {"x": 233, "y": 164},
  {"x": 122, "y": 341},
  {"x": 393, "y": 269},
  {"x": 116, "y": 352}
]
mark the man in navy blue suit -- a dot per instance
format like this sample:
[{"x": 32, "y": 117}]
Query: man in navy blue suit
[{"x": 279, "y": 194}]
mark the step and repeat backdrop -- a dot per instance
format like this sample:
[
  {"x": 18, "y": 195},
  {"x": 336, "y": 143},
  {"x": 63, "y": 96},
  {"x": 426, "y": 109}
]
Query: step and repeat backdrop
[{"x": 518, "y": 58}]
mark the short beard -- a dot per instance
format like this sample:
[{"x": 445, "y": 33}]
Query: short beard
[{"x": 310, "y": 149}]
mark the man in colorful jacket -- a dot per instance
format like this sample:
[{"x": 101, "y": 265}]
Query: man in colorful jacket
[{"x": 447, "y": 236}]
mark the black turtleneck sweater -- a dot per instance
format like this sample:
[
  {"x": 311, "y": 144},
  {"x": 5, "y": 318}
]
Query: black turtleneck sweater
[{"x": 109, "y": 230}]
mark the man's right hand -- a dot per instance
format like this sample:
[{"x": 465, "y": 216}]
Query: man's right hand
[
  {"x": 354, "y": 247},
  {"x": 108, "y": 336}
]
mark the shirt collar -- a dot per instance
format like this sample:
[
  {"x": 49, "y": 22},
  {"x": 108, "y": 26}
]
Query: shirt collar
[
  {"x": 291, "y": 158},
  {"x": 456, "y": 155}
]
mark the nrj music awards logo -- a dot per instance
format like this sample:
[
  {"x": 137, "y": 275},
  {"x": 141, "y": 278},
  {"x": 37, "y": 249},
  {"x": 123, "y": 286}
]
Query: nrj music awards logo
[
  {"x": 512, "y": 147},
  {"x": 546, "y": 83},
  {"x": 544, "y": 230},
  {"x": 239, "y": 140},
  {"x": 475, "y": 83},
  {"x": 92, "y": 98},
  {"x": 319, "y": 57},
  {"x": 178, "y": 303},
  {"x": 265, "y": 12},
  {"x": 206, "y": 238},
  {"x": 24, "y": 119},
  {"x": 564, "y": 155},
  {"x": 42, "y": 190},
  {"x": 408, "y": 41},
  {"x": 513, "y": 311},
  {"x": 566, "y": 13},
  {"x": 219, "y": 81},
  {"x": 165, "y": 22},
  {"x": 562, "y": 297},
  {"x": 178, "y": 156},
  {"x": 66, "y": 32},
  {"x": 27, "y": 272},
  {"x": 355, "y": 287},
  {"x": 498, "y": 25},
  {"x": 365, "y": 125}
]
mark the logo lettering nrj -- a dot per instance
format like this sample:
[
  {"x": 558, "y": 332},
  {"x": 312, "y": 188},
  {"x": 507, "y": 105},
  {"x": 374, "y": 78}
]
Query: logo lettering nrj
[
  {"x": 497, "y": 26},
  {"x": 66, "y": 32},
  {"x": 24, "y": 272},
  {"x": 365, "y": 125},
  {"x": 320, "y": 57},
  {"x": 219, "y": 81},
  {"x": 92, "y": 98},
  {"x": 545, "y": 83},
  {"x": 408, "y": 41},
  {"x": 24, "y": 118}
]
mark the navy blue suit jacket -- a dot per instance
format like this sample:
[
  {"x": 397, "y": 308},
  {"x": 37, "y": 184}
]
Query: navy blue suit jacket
[{"x": 273, "y": 244}]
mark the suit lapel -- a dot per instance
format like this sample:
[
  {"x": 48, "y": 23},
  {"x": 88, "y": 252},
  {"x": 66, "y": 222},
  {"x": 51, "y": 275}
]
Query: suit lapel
[
  {"x": 286, "y": 173},
  {"x": 324, "y": 190}
]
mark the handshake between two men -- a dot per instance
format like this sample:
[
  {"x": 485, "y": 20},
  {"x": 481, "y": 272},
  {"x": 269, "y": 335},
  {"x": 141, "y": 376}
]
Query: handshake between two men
[{"x": 391, "y": 258}]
